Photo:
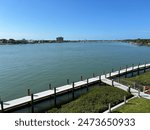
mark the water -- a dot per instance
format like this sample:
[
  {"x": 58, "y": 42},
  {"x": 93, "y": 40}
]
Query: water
[{"x": 36, "y": 65}]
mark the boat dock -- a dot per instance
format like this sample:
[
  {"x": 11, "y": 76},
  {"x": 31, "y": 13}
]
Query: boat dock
[{"x": 105, "y": 78}]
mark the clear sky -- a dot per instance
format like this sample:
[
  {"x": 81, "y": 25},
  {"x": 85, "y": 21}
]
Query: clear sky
[{"x": 75, "y": 19}]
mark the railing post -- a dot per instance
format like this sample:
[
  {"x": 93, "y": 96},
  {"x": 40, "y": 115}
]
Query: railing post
[
  {"x": 55, "y": 102},
  {"x": 29, "y": 92},
  {"x": 2, "y": 106},
  {"x": 109, "y": 107},
  {"x": 138, "y": 92},
  {"x": 124, "y": 99},
  {"x": 73, "y": 90},
  {"x": 32, "y": 103}
]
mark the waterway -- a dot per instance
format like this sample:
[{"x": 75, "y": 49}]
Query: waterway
[{"x": 34, "y": 66}]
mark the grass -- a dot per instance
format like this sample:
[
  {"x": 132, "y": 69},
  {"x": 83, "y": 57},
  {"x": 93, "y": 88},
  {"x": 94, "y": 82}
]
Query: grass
[
  {"x": 143, "y": 79},
  {"x": 136, "y": 105},
  {"x": 94, "y": 101}
]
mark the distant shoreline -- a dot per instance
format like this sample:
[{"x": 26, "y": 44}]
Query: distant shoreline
[{"x": 139, "y": 42}]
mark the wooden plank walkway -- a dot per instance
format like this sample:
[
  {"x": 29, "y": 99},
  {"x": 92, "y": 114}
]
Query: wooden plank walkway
[{"x": 8, "y": 105}]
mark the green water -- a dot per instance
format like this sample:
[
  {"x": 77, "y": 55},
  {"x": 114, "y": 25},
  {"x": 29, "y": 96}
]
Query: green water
[{"x": 34, "y": 66}]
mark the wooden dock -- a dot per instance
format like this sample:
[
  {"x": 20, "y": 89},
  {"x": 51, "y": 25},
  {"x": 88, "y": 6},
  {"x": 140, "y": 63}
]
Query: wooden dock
[{"x": 16, "y": 103}]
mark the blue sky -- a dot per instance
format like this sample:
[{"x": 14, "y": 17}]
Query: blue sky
[{"x": 74, "y": 19}]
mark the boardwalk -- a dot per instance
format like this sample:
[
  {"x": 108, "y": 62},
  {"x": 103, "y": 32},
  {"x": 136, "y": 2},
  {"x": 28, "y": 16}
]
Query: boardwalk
[{"x": 103, "y": 78}]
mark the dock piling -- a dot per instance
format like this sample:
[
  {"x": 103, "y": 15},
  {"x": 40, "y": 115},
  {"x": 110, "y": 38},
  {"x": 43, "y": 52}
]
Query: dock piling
[
  {"x": 93, "y": 75},
  {"x": 112, "y": 70},
  {"x": 119, "y": 73},
  {"x": 50, "y": 86},
  {"x": 2, "y": 106},
  {"x": 113, "y": 82},
  {"x": 87, "y": 85},
  {"x": 32, "y": 103},
  {"x": 138, "y": 69},
  {"x": 55, "y": 103},
  {"x": 129, "y": 89},
  {"x": 100, "y": 79},
  {"x": 144, "y": 67},
  {"x": 126, "y": 71},
  {"x": 29, "y": 92},
  {"x": 67, "y": 81},
  {"x": 132, "y": 70},
  {"x": 81, "y": 78},
  {"x": 110, "y": 74},
  {"x": 73, "y": 90}
]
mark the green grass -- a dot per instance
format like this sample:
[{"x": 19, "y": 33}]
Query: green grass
[
  {"x": 143, "y": 79},
  {"x": 136, "y": 105},
  {"x": 94, "y": 101}
]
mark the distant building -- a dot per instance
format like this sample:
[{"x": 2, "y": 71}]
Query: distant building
[{"x": 59, "y": 39}]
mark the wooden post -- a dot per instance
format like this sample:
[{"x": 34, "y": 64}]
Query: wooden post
[
  {"x": 138, "y": 92},
  {"x": 113, "y": 82},
  {"x": 129, "y": 89},
  {"x": 67, "y": 81},
  {"x": 124, "y": 99},
  {"x": 87, "y": 81},
  {"x": 87, "y": 84},
  {"x": 112, "y": 70},
  {"x": 145, "y": 68},
  {"x": 119, "y": 73},
  {"x": 132, "y": 69},
  {"x": 29, "y": 92},
  {"x": 81, "y": 78},
  {"x": 73, "y": 90},
  {"x": 100, "y": 79},
  {"x": 109, "y": 107},
  {"x": 2, "y": 106},
  {"x": 118, "y": 79},
  {"x": 32, "y": 103},
  {"x": 144, "y": 89},
  {"x": 110, "y": 74},
  {"x": 126, "y": 71},
  {"x": 93, "y": 75},
  {"x": 138, "y": 68},
  {"x": 55, "y": 102},
  {"x": 50, "y": 86}
]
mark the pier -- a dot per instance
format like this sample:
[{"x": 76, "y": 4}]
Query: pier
[{"x": 32, "y": 98}]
